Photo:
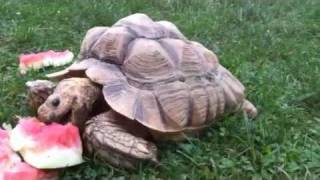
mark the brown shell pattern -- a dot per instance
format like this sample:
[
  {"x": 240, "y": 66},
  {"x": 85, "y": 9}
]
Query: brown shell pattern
[{"x": 153, "y": 74}]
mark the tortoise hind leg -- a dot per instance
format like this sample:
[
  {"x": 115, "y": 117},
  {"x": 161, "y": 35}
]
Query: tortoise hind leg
[
  {"x": 107, "y": 136},
  {"x": 249, "y": 109}
]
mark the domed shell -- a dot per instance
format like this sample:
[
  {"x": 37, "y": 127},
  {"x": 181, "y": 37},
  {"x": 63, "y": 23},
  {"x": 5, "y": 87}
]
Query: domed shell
[{"x": 151, "y": 73}]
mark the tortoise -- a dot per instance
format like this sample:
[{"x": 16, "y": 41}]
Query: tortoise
[{"x": 137, "y": 82}]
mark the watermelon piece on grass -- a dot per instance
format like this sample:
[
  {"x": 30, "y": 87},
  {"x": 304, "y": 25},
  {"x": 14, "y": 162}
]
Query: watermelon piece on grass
[
  {"x": 12, "y": 167},
  {"x": 8, "y": 157},
  {"x": 23, "y": 171},
  {"x": 43, "y": 59},
  {"x": 47, "y": 146}
]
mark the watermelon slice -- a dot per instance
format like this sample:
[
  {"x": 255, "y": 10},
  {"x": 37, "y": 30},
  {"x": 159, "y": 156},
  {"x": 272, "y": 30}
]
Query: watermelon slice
[
  {"x": 43, "y": 59},
  {"x": 11, "y": 166},
  {"x": 7, "y": 156},
  {"x": 47, "y": 146},
  {"x": 24, "y": 171}
]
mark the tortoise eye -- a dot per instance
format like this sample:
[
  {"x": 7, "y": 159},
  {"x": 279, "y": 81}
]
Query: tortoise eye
[{"x": 55, "y": 102}]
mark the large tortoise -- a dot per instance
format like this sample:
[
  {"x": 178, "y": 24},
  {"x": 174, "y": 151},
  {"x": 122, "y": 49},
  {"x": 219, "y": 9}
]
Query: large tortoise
[{"x": 139, "y": 79}]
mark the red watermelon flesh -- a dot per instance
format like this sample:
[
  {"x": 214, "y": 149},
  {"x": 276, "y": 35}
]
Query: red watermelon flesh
[
  {"x": 11, "y": 166},
  {"x": 7, "y": 156},
  {"x": 42, "y": 59},
  {"x": 47, "y": 146},
  {"x": 23, "y": 171},
  {"x": 20, "y": 171}
]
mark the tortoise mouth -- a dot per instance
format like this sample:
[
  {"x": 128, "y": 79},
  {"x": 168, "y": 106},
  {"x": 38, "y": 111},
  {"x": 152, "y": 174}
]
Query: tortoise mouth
[{"x": 66, "y": 118}]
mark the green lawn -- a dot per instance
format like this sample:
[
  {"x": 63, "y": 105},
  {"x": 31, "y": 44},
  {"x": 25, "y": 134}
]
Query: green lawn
[{"x": 272, "y": 46}]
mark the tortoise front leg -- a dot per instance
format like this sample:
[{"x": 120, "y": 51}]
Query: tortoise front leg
[{"x": 108, "y": 137}]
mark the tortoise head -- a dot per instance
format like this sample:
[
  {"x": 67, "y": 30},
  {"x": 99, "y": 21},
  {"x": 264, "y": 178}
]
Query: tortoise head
[{"x": 72, "y": 100}]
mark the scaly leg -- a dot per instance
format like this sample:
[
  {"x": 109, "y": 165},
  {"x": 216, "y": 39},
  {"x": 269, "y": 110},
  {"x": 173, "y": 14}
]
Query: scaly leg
[
  {"x": 249, "y": 108},
  {"x": 108, "y": 137}
]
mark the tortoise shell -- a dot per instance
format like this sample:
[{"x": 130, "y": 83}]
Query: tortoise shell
[{"x": 151, "y": 73}]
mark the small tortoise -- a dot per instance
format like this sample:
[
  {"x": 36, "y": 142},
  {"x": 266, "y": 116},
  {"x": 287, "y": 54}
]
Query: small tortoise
[{"x": 139, "y": 79}]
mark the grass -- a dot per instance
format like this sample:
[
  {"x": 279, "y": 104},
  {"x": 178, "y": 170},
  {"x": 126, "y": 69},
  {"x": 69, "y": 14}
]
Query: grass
[{"x": 272, "y": 46}]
